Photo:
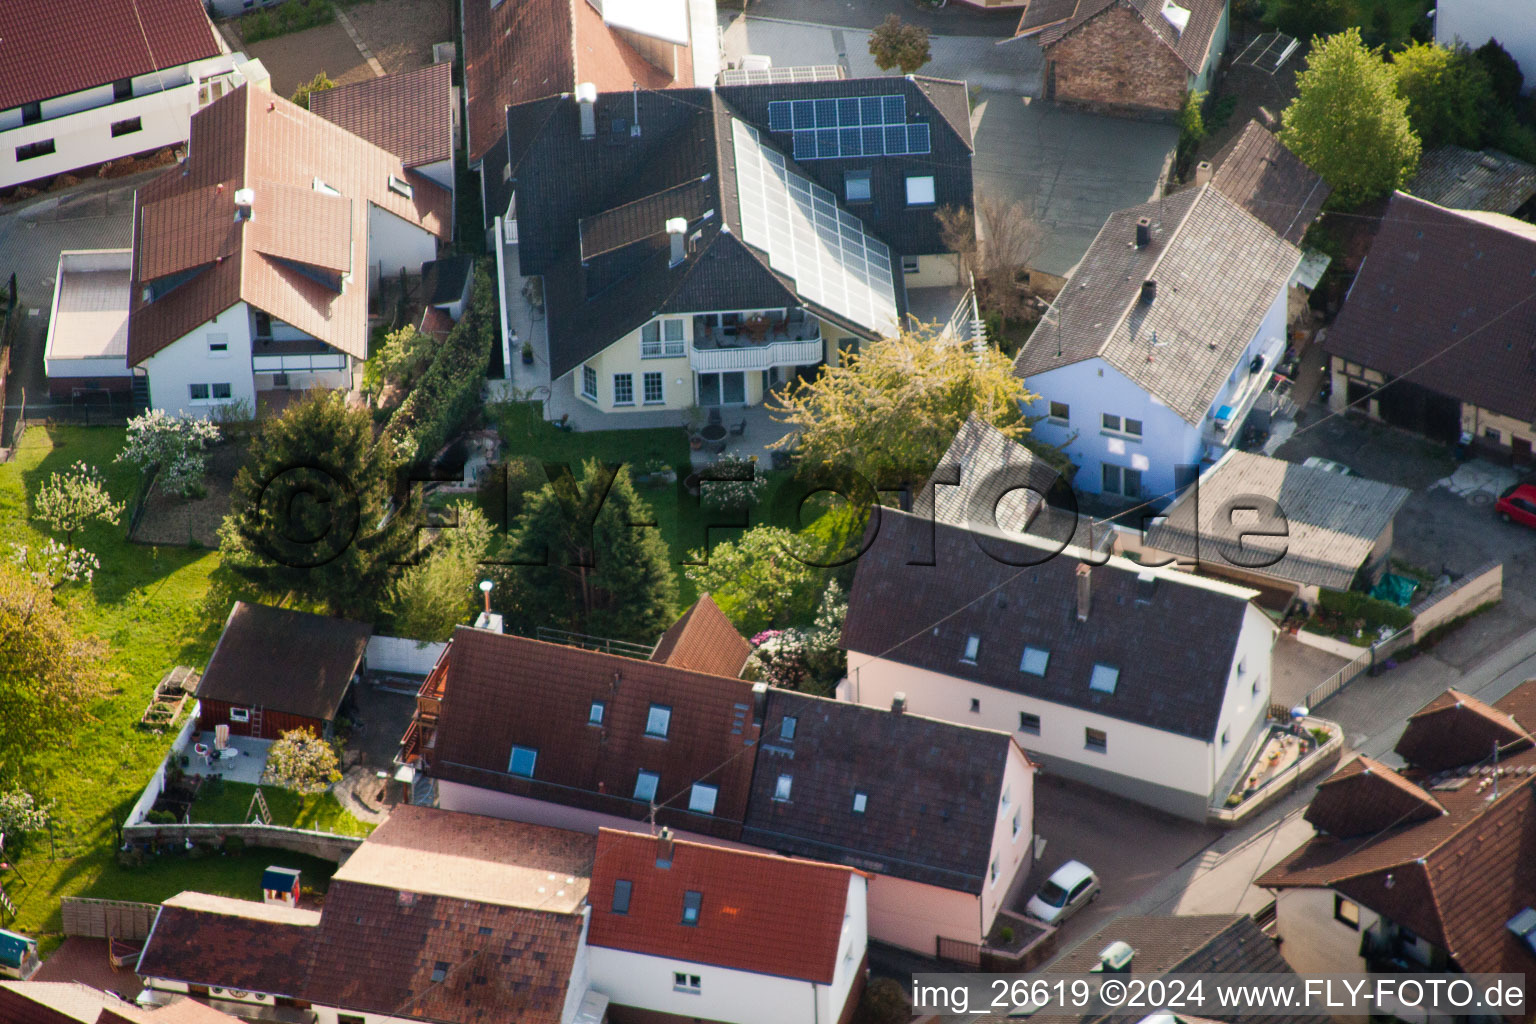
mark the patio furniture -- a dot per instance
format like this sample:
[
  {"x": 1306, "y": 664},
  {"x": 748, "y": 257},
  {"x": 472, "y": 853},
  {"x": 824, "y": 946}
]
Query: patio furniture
[
  {"x": 715, "y": 419},
  {"x": 713, "y": 433},
  {"x": 739, "y": 429},
  {"x": 756, "y": 328}
]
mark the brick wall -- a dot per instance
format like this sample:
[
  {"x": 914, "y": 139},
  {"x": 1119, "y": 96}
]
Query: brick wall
[{"x": 1115, "y": 63}]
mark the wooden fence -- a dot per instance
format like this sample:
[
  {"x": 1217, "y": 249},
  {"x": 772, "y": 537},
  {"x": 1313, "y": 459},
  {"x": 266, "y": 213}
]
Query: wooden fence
[{"x": 102, "y": 919}]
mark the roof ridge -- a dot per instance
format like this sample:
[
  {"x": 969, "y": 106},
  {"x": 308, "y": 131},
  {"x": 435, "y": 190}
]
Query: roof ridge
[
  {"x": 628, "y": 835},
  {"x": 1152, "y": 270}
]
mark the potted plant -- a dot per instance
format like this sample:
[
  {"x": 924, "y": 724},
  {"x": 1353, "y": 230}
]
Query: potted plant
[{"x": 527, "y": 353}]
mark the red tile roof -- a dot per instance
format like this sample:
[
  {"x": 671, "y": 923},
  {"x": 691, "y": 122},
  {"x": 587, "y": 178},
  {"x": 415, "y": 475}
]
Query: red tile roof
[
  {"x": 409, "y": 114},
  {"x": 62, "y": 46},
  {"x": 1454, "y": 729},
  {"x": 704, "y": 640},
  {"x": 1366, "y": 796},
  {"x": 186, "y": 223},
  {"x": 757, "y": 912},
  {"x": 521, "y": 50},
  {"x": 1454, "y": 878}
]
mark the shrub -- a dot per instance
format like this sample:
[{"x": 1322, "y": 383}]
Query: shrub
[
  {"x": 1503, "y": 72},
  {"x": 234, "y": 844},
  {"x": 319, "y": 83},
  {"x": 1352, "y": 610},
  {"x": 302, "y": 762},
  {"x": 731, "y": 483},
  {"x": 1307, "y": 18},
  {"x": 883, "y": 1002},
  {"x": 160, "y": 818},
  {"x": 1005, "y": 934},
  {"x": 292, "y": 16}
]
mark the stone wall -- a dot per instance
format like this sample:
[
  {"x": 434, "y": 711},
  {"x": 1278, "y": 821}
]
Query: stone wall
[
  {"x": 1115, "y": 63},
  {"x": 324, "y": 845}
]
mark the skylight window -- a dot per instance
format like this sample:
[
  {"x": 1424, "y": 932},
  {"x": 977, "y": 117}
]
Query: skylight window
[
  {"x": 645, "y": 785},
  {"x": 702, "y": 799},
  {"x": 693, "y": 902},
  {"x": 1104, "y": 679},
  {"x": 658, "y": 721},
  {"x": 522, "y": 761},
  {"x": 972, "y": 647},
  {"x": 860, "y": 801},
  {"x": 1523, "y": 926},
  {"x": 621, "y": 889},
  {"x": 787, "y": 727},
  {"x": 1035, "y": 661},
  {"x": 439, "y": 970},
  {"x": 781, "y": 788}
]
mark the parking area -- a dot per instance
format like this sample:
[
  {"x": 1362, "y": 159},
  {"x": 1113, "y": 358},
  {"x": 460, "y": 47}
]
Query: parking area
[{"x": 1130, "y": 847}]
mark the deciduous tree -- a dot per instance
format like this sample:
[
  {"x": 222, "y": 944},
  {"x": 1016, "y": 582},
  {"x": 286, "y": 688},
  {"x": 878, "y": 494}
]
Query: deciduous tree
[
  {"x": 1448, "y": 92},
  {"x": 760, "y": 581},
  {"x": 1504, "y": 73},
  {"x": 889, "y": 411},
  {"x": 50, "y": 670},
  {"x": 1305, "y": 19},
  {"x": 895, "y": 44},
  {"x": 1348, "y": 122},
  {"x": 178, "y": 445},
  {"x": 302, "y": 762},
  {"x": 429, "y": 599},
  {"x": 71, "y": 500}
]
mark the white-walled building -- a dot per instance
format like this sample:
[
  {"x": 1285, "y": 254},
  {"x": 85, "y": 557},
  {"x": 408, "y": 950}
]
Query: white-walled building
[
  {"x": 1473, "y": 22},
  {"x": 87, "y": 348},
  {"x": 253, "y": 259},
  {"x": 696, "y": 931},
  {"x": 81, "y": 84},
  {"x": 1150, "y": 683}
]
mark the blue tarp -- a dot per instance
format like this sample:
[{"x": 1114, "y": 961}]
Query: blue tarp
[{"x": 1396, "y": 589}]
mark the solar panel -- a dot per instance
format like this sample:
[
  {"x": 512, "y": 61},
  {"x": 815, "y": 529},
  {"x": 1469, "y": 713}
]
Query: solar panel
[
  {"x": 777, "y": 76},
  {"x": 807, "y": 236},
  {"x": 864, "y": 126}
]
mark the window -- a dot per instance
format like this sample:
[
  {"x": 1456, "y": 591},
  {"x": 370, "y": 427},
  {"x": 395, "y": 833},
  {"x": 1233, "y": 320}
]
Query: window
[
  {"x": 856, "y": 186},
  {"x": 1132, "y": 427},
  {"x": 1256, "y": 687},
  {"x": 729, "y": 388},
  {"x": 860, "y": 801},
  {"x": 321, "y": 186},
  {"x": 221, "y": 391},
  {"x": 1060, "y": 412},
  {"x": 122, "y": 89},
  {"x": 1016, "y": 815},
  {"x": 692, "y": 901},
  {"x": 33, "y": 150},
  {"x": 1491, "y": 434},
  {"x": 645, "y": 786},
  {"x": 621, "y": 887},
  {"x": 218, "y": 344},
  {"x": 688, "y": 983},
  {"x": 349, "y": 1018},
  {"x": 1226, "y": 735},
  {"x": 1096, "y": 740},
  {"x": 1035, "y": 661},
  {"x": 1118, "y": 480},
  {"x": 400, "y": 187},
  {"x": 658, "y": 721},
  {"x": 1121, "y": 426},
  {"x": 623, "y": 389},
  {"x": 702, "y": 799},
  {"x": 1346, "y": 912},
  {"x": 589, "y": 383},
  {"x": 972, "y": 647},
  {"x": 920, "y": 189},
  {"x": 595, "y": 713},
  {"x": 787, "y": 727},
  {"x": 1007, "y": 797},
  {"x": 655, "y": 392},
  {"x": 781, "y": 788},
  {"x": 439, "y": 970},
  {"x": 992, "y": 871},
  {"x": 1111, "y": 423},
  {"x": 522, "y": 760},
  {"x": 975, "y": 705},
  {"x": 198, "y": 392},
  {"x": 31, "y": 113},
  {"x": 239, "y": 714},
  {"x": 910, "y": 265},
  {"x": 126, "y": 127},
  {"x": 1029, "y": 723},
  {"x": 1104, "y": 679},
  {"x": 661, "y": 338}
]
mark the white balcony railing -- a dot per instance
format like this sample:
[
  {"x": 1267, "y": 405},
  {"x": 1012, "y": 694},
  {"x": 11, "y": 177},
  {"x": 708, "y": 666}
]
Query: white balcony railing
[{"x": 756, "y": 357}]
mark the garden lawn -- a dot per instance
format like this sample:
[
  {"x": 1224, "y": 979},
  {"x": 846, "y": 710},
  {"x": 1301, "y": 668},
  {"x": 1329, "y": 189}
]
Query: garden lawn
[
  {"x": 317, "y": 811},
  {"x": 148, "y": 603}
]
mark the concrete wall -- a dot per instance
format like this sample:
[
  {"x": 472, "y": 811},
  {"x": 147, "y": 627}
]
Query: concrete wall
[
  {"x": 400, "y": 655},
  {"x": 1115, "y": 63},
  {"x": 324, "y": 845},
  {"x": 1312, "y": 941},
  {"x": 146, "y": 800},
  {"x": 394, "y": 243},
  {"x": 941, "y": 270},
  {"x": 80, "y": 123},
  {"x": 188, "y": 360},
  {"x": 1469, "y": 592},
  {"x": 1474, "y": 22}
]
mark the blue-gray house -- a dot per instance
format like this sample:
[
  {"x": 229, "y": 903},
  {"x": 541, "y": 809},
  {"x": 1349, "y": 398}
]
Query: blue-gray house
[{"x": 1153, "y": 354}]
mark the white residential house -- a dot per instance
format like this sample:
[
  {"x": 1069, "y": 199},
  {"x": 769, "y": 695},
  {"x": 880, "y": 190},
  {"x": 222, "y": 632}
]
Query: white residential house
[
  {"x": 1150, "y": 683},
  {"x": 1473, "y": 22},
  {"x": 82, "y": 84},
  {"x": 1161, "y": 343},
  {"x": 253, "y": 260}
]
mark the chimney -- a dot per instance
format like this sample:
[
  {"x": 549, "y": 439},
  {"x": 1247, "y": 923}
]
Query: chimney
[
  {"x": 586, "y": 99},
  {"x": 677, "y": 230},
  {"x": 1143, "y": 232},
  {"x": 1203, "y": 172},
  {"x": 1148, "y": 290},
  {"x": 898, "y": 703},
  {"x": 1084, "y": 592},
  {"x": 759, "y": 703},
  {"x": 1146, "y": 586},
  {"x": 245, "y": 200},
  {"x": 491, "y": 621},
  {"x": 664, "y": 848}
]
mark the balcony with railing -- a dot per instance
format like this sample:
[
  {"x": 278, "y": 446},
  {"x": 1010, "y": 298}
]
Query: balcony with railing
[{"x": 755, "y": 342}]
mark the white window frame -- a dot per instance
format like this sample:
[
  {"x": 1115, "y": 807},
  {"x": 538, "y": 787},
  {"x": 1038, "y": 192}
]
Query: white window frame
[
  {"x": 229, "y": 391},
  {"x": 218, "y": 345},
  {"x": 1121, "y": 427},
  {"x": 911, "y": 265},
  {"x": 239, "y": 714},
  {"x": 629, "y": 379},
  {"x": 665, "y": 338},
  {"x": 1029, "y": 730},
  {"x": 655, "y": 780},
  {"x": 192, "y": 395},
  {"x": 1050, "y": 413},
  {"x": 686, "y": 983},
  {"x": 921, "y": 190},
  {"x": 1089, "y": 745},
  {"x": 661, "y": 387},
  {"x": 588, "y": 382},
  {"x": 783, "y": 787},
  {"x": 400, "y": 187},
  {"x": 702, "y": 798},
  {"x": 651, "y": 720}
]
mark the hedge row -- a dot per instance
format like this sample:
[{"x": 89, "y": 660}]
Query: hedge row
[
  {"x": 290, "y": 16},
  {"x": 1354, "y": 606},
  {"x": 448, "y": 392}
]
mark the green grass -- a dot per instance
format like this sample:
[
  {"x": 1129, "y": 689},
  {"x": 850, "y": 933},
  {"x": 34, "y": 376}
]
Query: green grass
[
  {"x": 1401, "y": 15},
  {"x": 319, "y": 812},
  {"x": 148, "y": 603}
]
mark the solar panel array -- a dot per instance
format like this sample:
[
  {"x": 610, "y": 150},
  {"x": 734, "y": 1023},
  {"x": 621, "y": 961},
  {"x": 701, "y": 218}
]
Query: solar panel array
[
  {"x": 808, "y": 238},
  {"x": 781, "y": 76},
  {"x": 851, "y": 126}
]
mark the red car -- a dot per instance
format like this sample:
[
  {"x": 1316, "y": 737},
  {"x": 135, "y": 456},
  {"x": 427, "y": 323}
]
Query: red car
[{"x": 1518, "y": 505}]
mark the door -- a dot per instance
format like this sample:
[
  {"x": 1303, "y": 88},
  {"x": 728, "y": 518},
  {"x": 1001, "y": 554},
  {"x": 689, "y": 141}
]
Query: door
[{"x": 728, "y": 388}]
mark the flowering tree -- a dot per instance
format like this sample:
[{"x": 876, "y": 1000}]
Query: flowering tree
[
  {"x": 52, "y": 565},
  {"x": 20, "y": 812},
  {"x": 177, "y": 444},
  {"x": 731, "y": 483},
  {"x": 71, "y": 499},
  {"x": 803, "y": 658},
  {"x": 302, "y": 762}
]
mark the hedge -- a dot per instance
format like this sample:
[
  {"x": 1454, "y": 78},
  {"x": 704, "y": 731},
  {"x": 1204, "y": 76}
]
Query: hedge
[
  {"x": 290, "y": 16},
  {"x": 448, "y": 391},
  {"x": 1353, "y": 606}
]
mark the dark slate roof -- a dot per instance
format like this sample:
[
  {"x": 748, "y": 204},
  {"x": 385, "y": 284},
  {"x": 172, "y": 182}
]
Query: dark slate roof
[
  {"x": 1333, "y": 522},
  {"x": 284, "y": 660},
  {"x": 592, "y": 213},
  {"x": 1464, "y": 179},
  {"x": 1054, "y": 19},
  {"x": 1443, "y": 300},
  {"x": 1173, "y": 640},
  {"x": 1218, "y": 270},
  {"x": 983, "y": 467},
  {"x": 1258, "y": 173},
  {"x": 444, "y": 281},
  {"x": 933, "y": 790}
]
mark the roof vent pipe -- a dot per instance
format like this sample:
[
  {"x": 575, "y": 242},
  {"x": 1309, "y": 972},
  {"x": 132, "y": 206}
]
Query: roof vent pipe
[
  {"x": 1148, "y": 290},
  {"x": 898, "y": 703},
  {"x": 245, "y": 199},
  {"x": 677, "y": 229},
  {"x": 1143, "y": 232},
  {"x": 586, "y": 99},
  {"x": 1084, "y": 590}
]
